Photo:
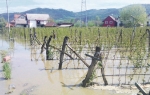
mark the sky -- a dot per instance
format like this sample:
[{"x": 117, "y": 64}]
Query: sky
[{"x": 70, "y": 5}]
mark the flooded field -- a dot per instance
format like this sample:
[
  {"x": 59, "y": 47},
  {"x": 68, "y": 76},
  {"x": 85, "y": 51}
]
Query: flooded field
[{"x": 32, "y": 74}]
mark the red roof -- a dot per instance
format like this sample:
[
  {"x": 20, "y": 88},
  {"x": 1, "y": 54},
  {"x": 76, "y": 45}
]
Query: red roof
[
  {"x": 16, "y": 16},
  {"x": 110, "y": 17},
  {"x": 11, "y": 25}
]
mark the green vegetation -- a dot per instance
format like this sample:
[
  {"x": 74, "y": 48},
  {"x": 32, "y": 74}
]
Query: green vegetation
[
  {"x": 2, "y": 22},
  {"x": 133, "y": 15},
  {"x": 3, "y": 53},
  {"x": 125, "y": 45},
  {"x": 7, "y": 70},
  {"x": 107, "y": 38},
  {"x": 50, "y": 54},
  {"x": 6, "y": 66}
]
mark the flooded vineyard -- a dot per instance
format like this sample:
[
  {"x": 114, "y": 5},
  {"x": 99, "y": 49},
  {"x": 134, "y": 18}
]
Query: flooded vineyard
[{"x": 42, "y": 63}]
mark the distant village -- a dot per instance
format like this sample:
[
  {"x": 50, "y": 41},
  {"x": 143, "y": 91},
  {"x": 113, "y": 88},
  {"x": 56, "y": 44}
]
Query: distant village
[{"x": 42, "y": 20}]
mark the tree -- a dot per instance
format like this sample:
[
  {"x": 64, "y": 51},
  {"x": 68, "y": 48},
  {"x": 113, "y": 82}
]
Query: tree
[
  {"x": 91, "y": 23},
  {"x": 133, "y": 15},
  {"x": 77, "y": 24},
  {"x": 2, "y": 22},
  {"x": 51, "y": 20},
  {"x": 97, "y": 21}
]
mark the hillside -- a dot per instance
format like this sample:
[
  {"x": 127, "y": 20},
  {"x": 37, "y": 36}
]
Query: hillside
[{"x": 61, "y": 14}]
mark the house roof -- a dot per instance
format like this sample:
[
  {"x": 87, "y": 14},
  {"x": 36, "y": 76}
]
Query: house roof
[
  {"x": 37, "y": 16},
  {"x": 16, "y": 16},
  {"x": 20, "y": 21},
  {"x": 50, "y": 24},
  {"x": 11, "y": 25},
  {"x": 113, "y": 18},
  {"x": 13, "y": 21},
  {"x": 110, "y": 17}
]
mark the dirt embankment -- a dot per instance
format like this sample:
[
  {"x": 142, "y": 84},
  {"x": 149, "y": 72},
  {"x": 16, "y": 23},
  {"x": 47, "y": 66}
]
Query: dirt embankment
[{"x": 127, "y": 89}]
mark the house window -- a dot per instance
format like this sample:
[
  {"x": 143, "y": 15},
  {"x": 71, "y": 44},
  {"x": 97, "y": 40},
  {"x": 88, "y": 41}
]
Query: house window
[
  {"x": 106, "y": 22},
  {"x": 110, "y": 22},
  {"x": 38, "y": 22}
]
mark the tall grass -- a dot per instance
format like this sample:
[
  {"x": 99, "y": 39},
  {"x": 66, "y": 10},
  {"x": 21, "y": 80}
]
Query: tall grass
[
  {"x": 7, "y": 70},
  {"x": 3, "y": 53}
]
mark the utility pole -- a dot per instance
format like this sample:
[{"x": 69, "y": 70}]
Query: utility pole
[
  {"x": 8, "y": 18},
  {"x": 83, "y": 13}
]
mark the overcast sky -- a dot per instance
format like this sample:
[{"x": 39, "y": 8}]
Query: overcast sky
[{"x": 70, "y": 5}]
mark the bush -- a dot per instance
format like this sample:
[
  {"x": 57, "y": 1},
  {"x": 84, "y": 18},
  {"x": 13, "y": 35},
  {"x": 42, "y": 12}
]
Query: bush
[{"x": 7, "y": 70}]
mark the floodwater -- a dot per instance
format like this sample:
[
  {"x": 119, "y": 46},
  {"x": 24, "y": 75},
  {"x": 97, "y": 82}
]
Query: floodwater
[{"x": 33, "y": 75}]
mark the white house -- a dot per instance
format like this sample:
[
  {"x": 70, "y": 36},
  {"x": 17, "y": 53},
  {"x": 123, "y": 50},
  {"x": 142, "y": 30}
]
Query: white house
[
  {"x": 29, "y": 20},
  {"x": 37, "y": 20}
]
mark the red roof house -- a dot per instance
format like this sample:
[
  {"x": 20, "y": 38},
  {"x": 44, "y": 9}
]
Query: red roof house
[{"x": 110, "y": 21}]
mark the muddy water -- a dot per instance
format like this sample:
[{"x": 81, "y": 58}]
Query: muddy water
[{"x": 33, "y": 75}]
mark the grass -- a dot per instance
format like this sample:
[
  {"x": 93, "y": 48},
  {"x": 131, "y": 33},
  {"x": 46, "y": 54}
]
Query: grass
[
  {"x": 3, "y": 53},
  {"x": 50, "y": 54},
  {"x": 7, "y": 70}
]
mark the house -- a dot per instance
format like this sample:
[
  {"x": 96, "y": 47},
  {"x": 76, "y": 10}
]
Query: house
[
  {"x": 20, "y": 21},
  {"x": 29, "y": 20},
  {"x": 37, "y": 20},
  {"x": 13, "y": 22},
  {"x": 110, "y": 21}
]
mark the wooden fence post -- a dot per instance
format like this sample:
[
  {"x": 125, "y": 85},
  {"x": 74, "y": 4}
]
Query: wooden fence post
[
  {"x": 99, "y": 34},
  {"x": 31, "y": 41},
  {"x": 148, "y": 39},
  {"x": 91, "y": 67},
  {"x": 120, "y": 36},
  {"x": 42, "y": 48},
  {"x": 78, "y": 56},
  {"x": 62, "y": 53},
  {"x": 141, "y": 89},
  {"x": 24, "y": 34},
  {"x": 47, "y": 47},
  {"x": 80, "y": 37}
]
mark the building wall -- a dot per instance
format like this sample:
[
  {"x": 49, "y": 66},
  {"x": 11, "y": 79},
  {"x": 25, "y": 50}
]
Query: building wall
[
  {"x": 32, "y": 24},
  {"x": 19, "y": 25},
  {"x": 109, "y": 22},
  {"x": 43, "y": 22}
]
